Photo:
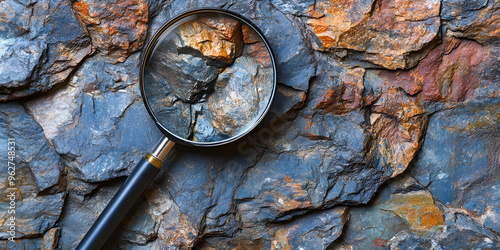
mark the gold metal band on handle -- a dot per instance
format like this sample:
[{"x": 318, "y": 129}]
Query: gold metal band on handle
[
  {"x": 160, "y": 152},
  {"x": 163, "y": 148},
  {"x": 153, "y": 160}
]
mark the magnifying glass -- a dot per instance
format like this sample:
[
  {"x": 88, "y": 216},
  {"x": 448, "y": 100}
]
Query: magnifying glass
[{"x": 207, "y": 78}]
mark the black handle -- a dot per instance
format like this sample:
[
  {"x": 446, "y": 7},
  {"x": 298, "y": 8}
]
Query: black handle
[{"x": 119, "y": 206}]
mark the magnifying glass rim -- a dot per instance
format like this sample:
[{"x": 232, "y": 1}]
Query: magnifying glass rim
[{"x": 147, "y": 54}]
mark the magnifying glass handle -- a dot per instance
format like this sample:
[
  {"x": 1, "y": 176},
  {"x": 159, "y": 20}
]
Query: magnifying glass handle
[{"x": 135, "y": 185}]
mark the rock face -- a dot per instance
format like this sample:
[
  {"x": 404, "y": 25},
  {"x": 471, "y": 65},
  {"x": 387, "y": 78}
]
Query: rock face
[
  {"x": 41, "y": 43},
  {"x": 383, "y": 134},
  {"x": 476, "y": 20},
  {"x": 198, "y": 83},
  {"x": 35, "y": 188},
  {"x": 388, "y": 32},
  {"x": 118, "y": 28}
]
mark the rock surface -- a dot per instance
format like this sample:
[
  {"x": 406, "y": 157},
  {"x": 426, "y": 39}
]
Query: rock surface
[
  {"x": 383, "y": 133},
  {"x": 118, "y": 28},
  {"x": 41, "y": 44},
  {"x": 199, "y": 85},
  {"x": 386, "y": 32}
]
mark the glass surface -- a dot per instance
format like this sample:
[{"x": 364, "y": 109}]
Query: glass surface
[{"x": 209, "y": 77}]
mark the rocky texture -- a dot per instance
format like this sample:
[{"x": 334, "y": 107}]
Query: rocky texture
[
  {"x": 102, "y": 112},
  {"x": 452, "y": 72},
  {"x": 476, "y": 20},
  {"x": 200, "y": 86},
  {"x": 216, "y": 37},
  {"x": 388, "y": 33},
  {"x": 461, "y": 182},
  {"x": 242, "y": 93},
  {"x": 36, "y": 189},
  {"x": 41, "y": 43},
  {"x": 352, "y": 155},
  {"x": 405, "y": 215},
  {"x": 118, "y": 28}
]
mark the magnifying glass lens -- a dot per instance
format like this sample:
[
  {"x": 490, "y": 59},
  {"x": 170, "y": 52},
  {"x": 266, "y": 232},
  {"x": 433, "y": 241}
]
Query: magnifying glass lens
[{"x": 208, "y": 78}]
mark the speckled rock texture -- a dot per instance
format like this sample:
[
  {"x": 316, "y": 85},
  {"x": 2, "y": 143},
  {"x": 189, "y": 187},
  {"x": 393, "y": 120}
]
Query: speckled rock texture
[{"x": 384, "y": 132}]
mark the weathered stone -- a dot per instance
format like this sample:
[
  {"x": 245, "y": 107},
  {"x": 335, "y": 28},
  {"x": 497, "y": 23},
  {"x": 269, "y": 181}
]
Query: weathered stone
[
  {"x": 398, "y": 123},
  {"x": 216, "y": 37},
  {"x": 30, "y": 243},
  {"x": 34, "y": 215},
  {"x": 294, "y": 59},
  {"x": 294, "y": 7},
  {"x": 303, "y": 232},
  {"x": 106, "y": 128},
  {"x": 118, "y": 27},
  {"x": 463, "y": 181},
  {"x": 242, "y": 93},
  {"x": 370, "y": 228},
  {"x": 344, "y": 97},
  {"x": 189, "y": 78},
  {"x": 417, "y": 209},
  {"x": 42, "y": 42},
  {"x": 333, "y": 136},
  {"x": 51, "y": 239},
  {"x": 395, "y": 143},
  {"x": 478, "y": 20},
  {"x": 249, "y": 34},
  {"x": 389, "y": 32},
  {"x": 33, "y": 151},
  {"x": 194, "y": 98},
  {"x": 15, "y": 19},
  {"x": 258, "y": 51},
  {"x": 396, "y": 103},
  {"x": 284, "y": 36},
  {"x": 450, "y": 73},
  {"x": 394, "y": 220}
]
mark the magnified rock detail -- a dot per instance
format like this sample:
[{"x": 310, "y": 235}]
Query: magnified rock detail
[
  {"x": 200, "y": 84},
  {"x": 383, "y": 134}
]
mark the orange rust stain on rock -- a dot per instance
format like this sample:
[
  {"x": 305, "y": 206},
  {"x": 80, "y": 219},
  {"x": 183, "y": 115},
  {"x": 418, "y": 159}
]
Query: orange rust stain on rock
[
  {"x": 298, "y": 199},
  {"x": 347, "y": 97},
  {"x": 259, "y": 52},
  {"x": 430, "y": 217},
  {"x": 418, "y": 210},
  {"x": 380, "y": 242},
  {"x": 280, "y": 241},
  {"x": 397, "y": 104},
  {"x": 182, "y": 234},
  {"x": 446, "y": 74},
  {"x": 219, "y": 39},
  {"x": 249, "y": 35},
  {"x": 388, "y": 30},
  {"x": 82, "y": 7},
  {"x": 397, "y": 141},
  {"x": 118, "y": 31}
]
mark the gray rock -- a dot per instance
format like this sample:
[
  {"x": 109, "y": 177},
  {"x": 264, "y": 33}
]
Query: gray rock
[
  {"x": 43, "y": 42},
  {"x": 295, "y": 7},
  {"x": 472, "y": 19},
  {"x": 335, "y": 133},
  {"x": 105, "y": 119},
  {"x": 33, "y": 150},
  {"x": 189, "y": 78},
  {"x": 462, "y": 181},
  {"x": 242, "y": 93}
]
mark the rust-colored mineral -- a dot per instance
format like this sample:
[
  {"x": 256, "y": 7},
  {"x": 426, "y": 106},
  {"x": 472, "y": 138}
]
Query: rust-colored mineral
[
  {"x": 118, "y": 28},
  {"x": 217, "y": 38},
  {"x": 388, "y": 32}
]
